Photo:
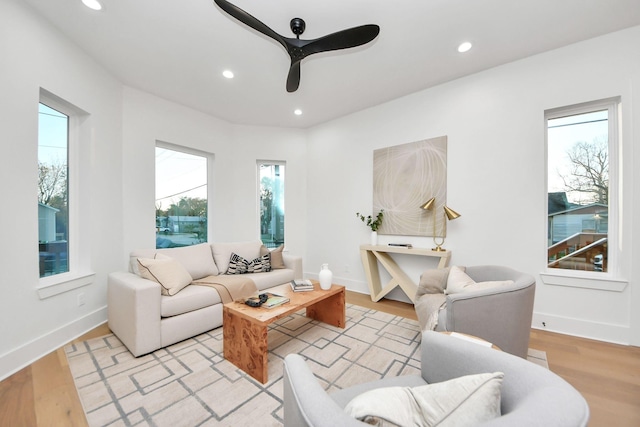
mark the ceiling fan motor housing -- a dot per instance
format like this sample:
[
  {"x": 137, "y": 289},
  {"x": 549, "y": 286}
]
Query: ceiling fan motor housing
[{"x": 297, "y": 26}]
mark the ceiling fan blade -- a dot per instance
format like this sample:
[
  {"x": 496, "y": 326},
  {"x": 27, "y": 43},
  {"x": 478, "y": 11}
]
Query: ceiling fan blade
[
  {"x": 293, "y": 79},
  {"x": 250, "y": 20},
  {"x": 344, "y": 39}
]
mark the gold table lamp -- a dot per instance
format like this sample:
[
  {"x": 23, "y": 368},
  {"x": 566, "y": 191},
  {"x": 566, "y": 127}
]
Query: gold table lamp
[{"x": 449, "y": 214}]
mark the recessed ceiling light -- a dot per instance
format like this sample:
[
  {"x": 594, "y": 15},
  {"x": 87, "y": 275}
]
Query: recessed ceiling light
[
  {"x": 92, "y": 4},
  {"x": 297, "y": 112},
  {"x": 228, "y": 74},
  {"x": 464, "y": 47}
]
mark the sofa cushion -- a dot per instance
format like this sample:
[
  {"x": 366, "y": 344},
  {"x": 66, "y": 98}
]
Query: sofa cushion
[
  {"x": 141, "y": 253},
  {"x": 468, "y": 400},
  {"x": 277, "y": 260},
  {"x": 222, "y": 252},
  {"x": 197, "y": 259},
  {"x": 169, "y": 273},
  {"x": 272, "y": 278},
  {"x": 191, "y": 298}
]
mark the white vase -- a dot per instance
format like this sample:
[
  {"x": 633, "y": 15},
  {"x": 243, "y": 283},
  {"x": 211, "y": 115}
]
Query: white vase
[
  {"x": 374, "y": 238},
  {"x": 325, "y": 277}
]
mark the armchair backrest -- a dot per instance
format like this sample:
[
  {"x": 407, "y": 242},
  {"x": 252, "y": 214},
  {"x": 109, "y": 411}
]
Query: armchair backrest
[
  {"x": 531, "y": 394},
  {"x": 486, "y": 273},
  {"x": 306, "y": 403},
  {"x": 500, "y": 315}
]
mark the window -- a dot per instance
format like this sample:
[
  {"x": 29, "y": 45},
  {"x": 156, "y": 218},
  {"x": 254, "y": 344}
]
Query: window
[
  {"x": 181, "y": 196},
  {"x": 582, "y": 144},
  {"x": 64, "y": 239},
  {"x": 271, "y": 184},
  {"x": 53, "y": 190}
]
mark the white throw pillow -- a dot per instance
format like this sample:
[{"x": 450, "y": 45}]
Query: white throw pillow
[
  {"x": 167, "y": 272},
  {"x": 457, "y": 280},
  {"x": 465, "y": 401},
  {"x": 277, "y": 261},
  {"x": 487, "y": 285}
]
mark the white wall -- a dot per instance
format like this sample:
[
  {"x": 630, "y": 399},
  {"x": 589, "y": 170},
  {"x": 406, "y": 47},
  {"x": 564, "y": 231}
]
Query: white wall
[
  {"x": 34, "y": 56},
  {"x": 496, "y": 175},
  {"x": 235, "y": 215}
]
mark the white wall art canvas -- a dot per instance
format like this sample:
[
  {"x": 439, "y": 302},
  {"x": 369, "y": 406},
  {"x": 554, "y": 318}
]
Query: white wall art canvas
[{"x": 406, "y": 176}]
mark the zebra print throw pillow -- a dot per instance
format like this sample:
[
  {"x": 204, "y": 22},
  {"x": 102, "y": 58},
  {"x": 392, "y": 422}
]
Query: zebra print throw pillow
[{"x": 239, "y": 265}]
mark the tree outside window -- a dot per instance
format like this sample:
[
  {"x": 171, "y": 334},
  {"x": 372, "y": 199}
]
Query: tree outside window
[
  {"x": 271, "y": 176},
  {"x": 53, "y": 186},
  {"x": 181, "y": 198},
  {"x": 578, "y": 155}
]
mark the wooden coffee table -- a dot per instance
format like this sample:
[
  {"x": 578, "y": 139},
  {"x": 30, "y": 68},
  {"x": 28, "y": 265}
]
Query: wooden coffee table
[{"x": 245, "y": 328}]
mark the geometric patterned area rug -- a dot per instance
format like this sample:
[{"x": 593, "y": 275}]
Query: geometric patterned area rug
[{"x": 191, "y": 384}]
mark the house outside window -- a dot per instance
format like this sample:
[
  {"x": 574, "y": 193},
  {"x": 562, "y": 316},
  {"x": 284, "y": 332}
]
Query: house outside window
[
  {"x": 582, "y": 144},
  {"x": 181, "y": 196},
  {"x": 53, "y": 190},
  {"x": 271, "y": 182}
]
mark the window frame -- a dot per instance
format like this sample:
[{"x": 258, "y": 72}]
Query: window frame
[
  {"x": 79, "y": 256},
  {"x": 282, "y": 163},
  {"x": 210, "y": 158},
  {"x": 608, "y": 280}
]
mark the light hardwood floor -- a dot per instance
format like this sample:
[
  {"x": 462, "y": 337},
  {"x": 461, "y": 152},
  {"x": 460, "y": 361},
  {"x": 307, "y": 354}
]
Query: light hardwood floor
[{"x": 608, "y": 376}]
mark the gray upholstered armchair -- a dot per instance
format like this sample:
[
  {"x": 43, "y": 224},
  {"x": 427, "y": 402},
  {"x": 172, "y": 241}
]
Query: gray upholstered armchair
[
  {"x": 499, "y": 314},
  {"x": 530, "y": 395}
]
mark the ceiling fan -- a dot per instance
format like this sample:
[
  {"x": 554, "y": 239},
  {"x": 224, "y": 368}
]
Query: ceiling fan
[{"x": 299, "y": 49}]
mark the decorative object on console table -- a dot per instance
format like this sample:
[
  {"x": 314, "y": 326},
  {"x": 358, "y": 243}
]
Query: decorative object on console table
[
  {"x": 371, "y": 254},
  {"x": 325, "y": 277},
  {"x": 449, "y": 214},
  {"x": 374, "y": 224},
  {"x": 402, "y": 245}
]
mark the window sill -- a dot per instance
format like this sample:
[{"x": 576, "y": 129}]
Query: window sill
[
  {"x": 60, "y": 283},
  {"x": 574, "y": 281}
]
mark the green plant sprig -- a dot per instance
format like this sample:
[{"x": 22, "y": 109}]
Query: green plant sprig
[{"x": 370, "y": 222}]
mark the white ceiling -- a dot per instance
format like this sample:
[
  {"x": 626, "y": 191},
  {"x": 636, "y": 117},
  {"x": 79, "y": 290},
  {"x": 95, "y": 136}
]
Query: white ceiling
[{"x": 177, "y": 49}]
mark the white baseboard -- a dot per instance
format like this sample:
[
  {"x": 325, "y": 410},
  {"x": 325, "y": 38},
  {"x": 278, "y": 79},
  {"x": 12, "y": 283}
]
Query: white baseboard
[
  {"x": 617, "y": 334},
  {"x": 352, "y": 285},
  {"x": 18, "y": 358}
]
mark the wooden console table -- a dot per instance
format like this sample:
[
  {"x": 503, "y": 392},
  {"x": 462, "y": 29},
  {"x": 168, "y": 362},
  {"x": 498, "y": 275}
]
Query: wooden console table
[{"x": 372, "y": 254}]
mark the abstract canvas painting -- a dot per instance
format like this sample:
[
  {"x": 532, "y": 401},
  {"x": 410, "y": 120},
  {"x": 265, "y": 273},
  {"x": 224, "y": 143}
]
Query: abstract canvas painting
[{"x": 406, "y": 176}]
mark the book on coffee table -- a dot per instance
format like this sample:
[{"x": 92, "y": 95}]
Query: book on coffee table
[
  {"x": 273, "y": 300},
  {"x": 301, "y": 285}
]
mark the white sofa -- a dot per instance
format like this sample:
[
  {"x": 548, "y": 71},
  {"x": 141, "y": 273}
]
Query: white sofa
[{"x": 145, "y": 319}]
